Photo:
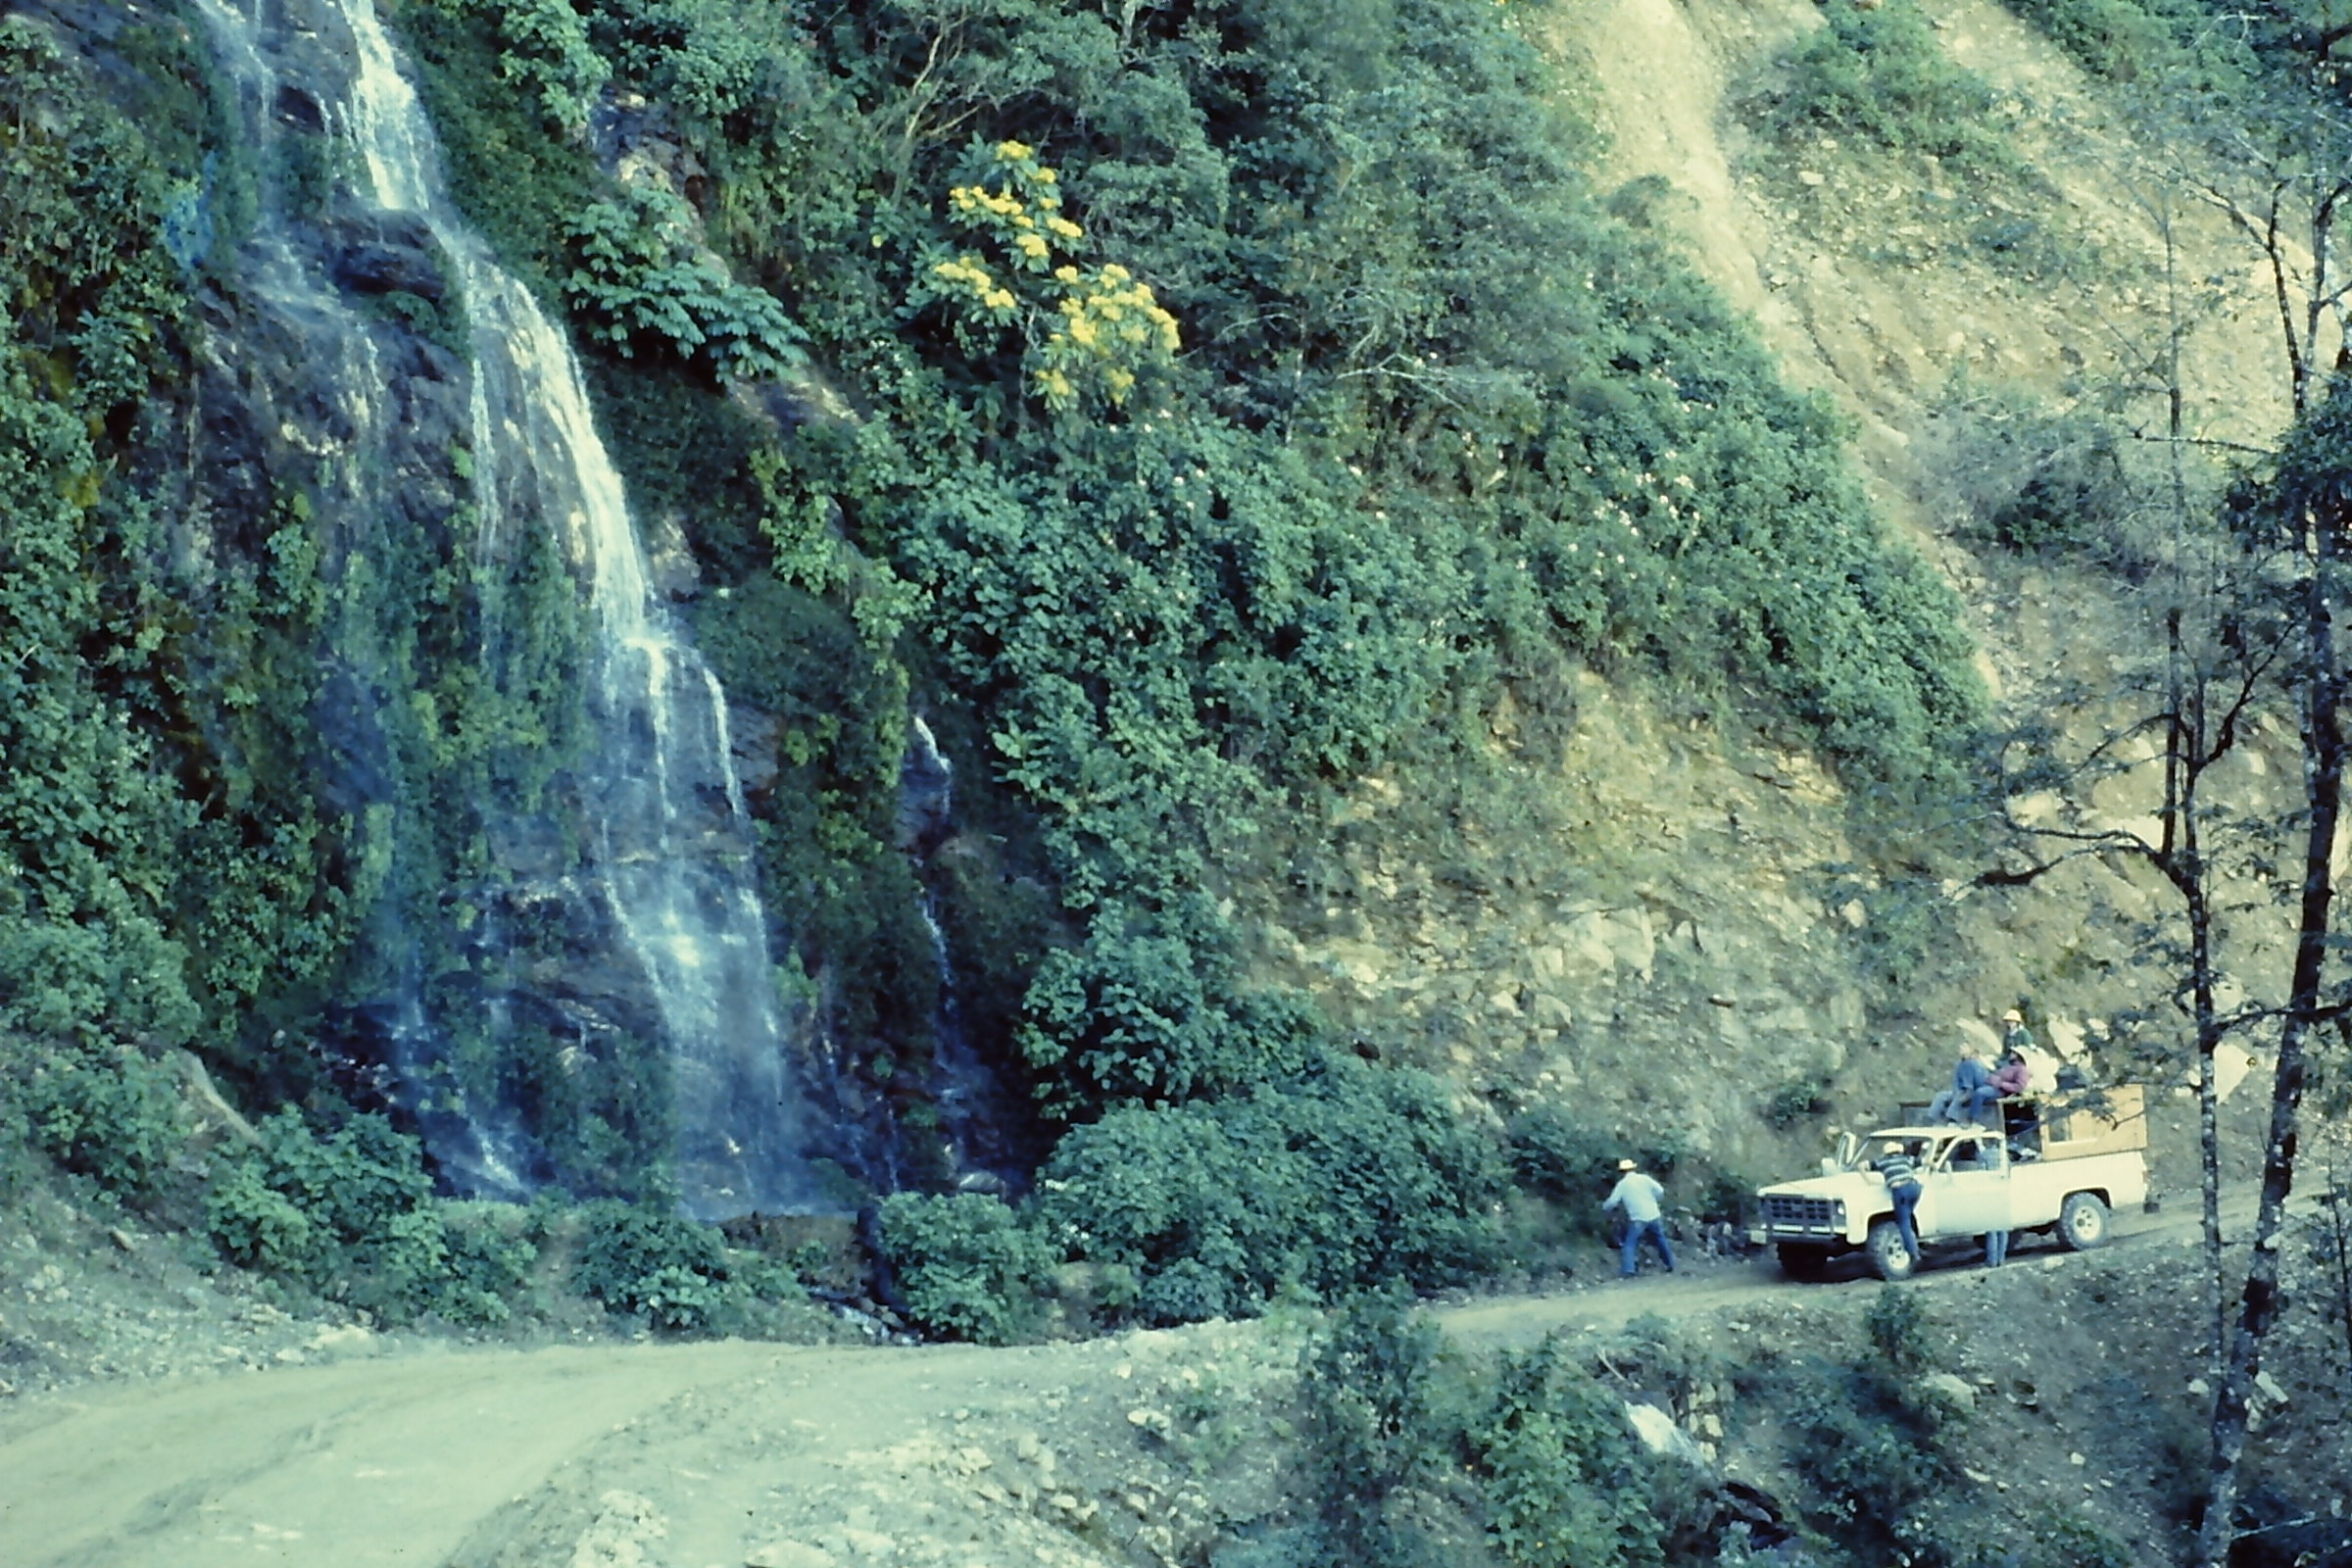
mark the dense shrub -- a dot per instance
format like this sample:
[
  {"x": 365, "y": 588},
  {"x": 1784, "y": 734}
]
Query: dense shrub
[
  {"x": 966, "y": 1266},
  {"x": 1351, "y": 1178},
  {"x": 1880, "y": 76},
  {"x": 102, "y": 1109},
  {"x": 643, "y": 1259},
  {"x": 546, "y": 49},
  {"x": 1379, "y": 1440},
  {"x": 1417, "y": 1456},
  {"x": 350, "y": 1213},
  {"x": 1564, "y": 1481},
  {"x": 642, "y": 280}
]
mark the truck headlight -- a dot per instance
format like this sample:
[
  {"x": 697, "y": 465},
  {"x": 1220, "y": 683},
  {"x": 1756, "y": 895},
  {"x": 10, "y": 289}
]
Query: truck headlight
[{"x": 1837, "y": 1215}]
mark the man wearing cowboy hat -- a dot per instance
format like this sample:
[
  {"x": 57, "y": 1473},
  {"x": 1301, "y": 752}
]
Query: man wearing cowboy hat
[
  {"x": 1639, "y": 1196},
  {"x": 2015, "y": 1036}
]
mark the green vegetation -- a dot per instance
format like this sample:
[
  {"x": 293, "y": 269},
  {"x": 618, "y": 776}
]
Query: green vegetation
[
  {"x": 1933, "y": 163},
  {"x": 1419, "y": 1454},
  {"x": 672, "y": 1273},
  {"x": 640, "y": 276},
  {"x": 1185, "y": 418},
  {"x": 966, "y": 1266},
  {"x": 1397, "y": 485},
  {"x": 2170, "y": 45},
  {"x": 351, "y": 1215},
  {"x": 162, "y": 877},
  {"x": 1877, "y": 75}
]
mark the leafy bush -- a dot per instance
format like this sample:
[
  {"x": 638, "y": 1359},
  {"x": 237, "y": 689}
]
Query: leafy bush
[
  {"x": 1145, "y": 1010},
  {"x": 1357, "y": 1179},
  {"x": 1880, "y": 76},
  {"x": 2040, "y": 482},
  {"x": 1376, "y": 1436},
  {"x": 1417, "y": 1456},
  {"x": 1798, "y": 1100},
  {"x": 1553, "y": 1156},
  {"x": 1899, "y": 1331},
  {"x": 966, "y": 1266},
  {"x": 546, "y": 48},
  {"x": 1564, "y": 1481},
  {"x": 350, "y": 1214},
  {"x": 1871, "y": 1465},
  {"x": 1105, "y": 329},
  {"x": 641, "y": 275},
  {"x": 489, "y": 1254},
  {"x": 643, "y": 1259},
  {"x": 105, "y": 1111},
  {"x": 2169, "y": 45}
]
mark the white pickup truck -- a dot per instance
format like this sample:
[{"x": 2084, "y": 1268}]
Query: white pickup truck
[{"x": 2060, "y": 1162}]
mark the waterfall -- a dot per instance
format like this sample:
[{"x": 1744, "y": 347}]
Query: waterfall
[{"x": 658, "y": 841}]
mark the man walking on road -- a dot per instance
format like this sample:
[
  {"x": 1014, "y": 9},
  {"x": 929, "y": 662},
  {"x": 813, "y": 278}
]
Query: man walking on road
[{"x": 1639, "y": 1196}]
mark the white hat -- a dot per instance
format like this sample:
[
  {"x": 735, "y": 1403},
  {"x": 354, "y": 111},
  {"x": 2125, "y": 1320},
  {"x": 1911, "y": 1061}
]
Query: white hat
[
  {"x": 1625, "y": 1165},
  {"x": 2013, "y": 1016},
  {"x": 1892, "y": 1146}
]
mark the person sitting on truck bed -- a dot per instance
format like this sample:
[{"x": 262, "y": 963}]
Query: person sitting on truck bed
[
  {"x": 2013, "y": 1075},
  {"x": 1972, "y": 1093}
]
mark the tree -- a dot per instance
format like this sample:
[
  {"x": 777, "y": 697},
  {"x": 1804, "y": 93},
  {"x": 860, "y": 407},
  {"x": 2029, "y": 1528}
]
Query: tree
[
  {"x": 2255, "y": 103},
  {"x": 2309, "y": 498}
]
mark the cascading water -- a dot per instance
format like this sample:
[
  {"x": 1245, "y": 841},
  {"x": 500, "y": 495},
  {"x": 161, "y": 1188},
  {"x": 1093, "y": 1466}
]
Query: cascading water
[{"x": 655, "y": 838}]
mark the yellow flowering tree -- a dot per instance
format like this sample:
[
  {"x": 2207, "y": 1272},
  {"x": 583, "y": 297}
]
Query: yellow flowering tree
[{"x": 1088, "y": 331}]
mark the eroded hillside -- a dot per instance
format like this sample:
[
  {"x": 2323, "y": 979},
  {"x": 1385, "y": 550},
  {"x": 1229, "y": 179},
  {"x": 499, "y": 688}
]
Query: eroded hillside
[{"x": 1691, "y": 924}]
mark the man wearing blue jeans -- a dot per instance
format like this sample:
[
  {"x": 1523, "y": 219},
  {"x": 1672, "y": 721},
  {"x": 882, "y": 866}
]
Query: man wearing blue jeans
[
  {"x": 1639, "y": 1196},
  {"x": 1894, "y": 1162}
]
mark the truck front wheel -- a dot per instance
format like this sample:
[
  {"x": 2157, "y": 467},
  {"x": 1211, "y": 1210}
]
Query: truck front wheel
[
  {"x": 1887, "y": 1253},
  {"x": 1803, "y": 1262},
  {"x": 2082, "y": 1221}
]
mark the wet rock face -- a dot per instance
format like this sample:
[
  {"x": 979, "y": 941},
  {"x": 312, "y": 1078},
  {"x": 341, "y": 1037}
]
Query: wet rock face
[{"x": 380, "y": 253}]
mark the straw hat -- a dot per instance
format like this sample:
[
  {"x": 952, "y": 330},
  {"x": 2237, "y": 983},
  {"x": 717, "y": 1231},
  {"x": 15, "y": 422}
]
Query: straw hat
[{"x": 1625, "y": 1165}]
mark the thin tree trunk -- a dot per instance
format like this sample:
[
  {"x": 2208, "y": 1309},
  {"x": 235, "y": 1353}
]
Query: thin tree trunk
[{"x": 2323, "y": 770}]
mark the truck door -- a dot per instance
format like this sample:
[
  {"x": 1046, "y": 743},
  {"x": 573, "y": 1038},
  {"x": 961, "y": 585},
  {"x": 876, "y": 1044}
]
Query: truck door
[{"x": 1966, "y": 1192}]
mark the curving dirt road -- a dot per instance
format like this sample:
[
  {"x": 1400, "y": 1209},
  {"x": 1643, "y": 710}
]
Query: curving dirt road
[{"x": 721, "y": 1453}]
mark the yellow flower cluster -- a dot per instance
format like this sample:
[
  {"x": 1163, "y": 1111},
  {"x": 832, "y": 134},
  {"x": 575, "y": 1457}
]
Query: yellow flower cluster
[
  {"x": 974, "y": 279},
  {"x": 1115, "y": 310},
  {"x": 973, "y": 199},
  {"x": 1108, "y": 325}
]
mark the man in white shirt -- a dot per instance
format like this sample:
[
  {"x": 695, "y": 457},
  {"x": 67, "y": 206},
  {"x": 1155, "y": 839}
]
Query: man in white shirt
[{"x": 1640, "y": 1196}]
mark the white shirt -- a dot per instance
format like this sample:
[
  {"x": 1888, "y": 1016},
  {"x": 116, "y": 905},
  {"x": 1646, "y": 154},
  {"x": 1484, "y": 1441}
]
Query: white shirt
[{"x": 1638, "y": 1195}]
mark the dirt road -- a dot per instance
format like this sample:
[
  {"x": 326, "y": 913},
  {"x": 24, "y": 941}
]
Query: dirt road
[{"x": 726, "y": 1454}]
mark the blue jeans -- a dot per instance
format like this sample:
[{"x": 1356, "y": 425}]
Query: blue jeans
[
  {"x": 1996, "y": 1248},
  {"x": 1906, "y": 1203},
  {"x": 1635, "y": 1230}
]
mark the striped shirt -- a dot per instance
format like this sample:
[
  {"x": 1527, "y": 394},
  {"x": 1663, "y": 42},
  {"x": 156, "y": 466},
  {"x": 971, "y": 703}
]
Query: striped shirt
[{"x": 1896, "y": 1168}]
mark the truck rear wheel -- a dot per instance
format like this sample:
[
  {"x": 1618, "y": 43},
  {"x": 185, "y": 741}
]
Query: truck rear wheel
[
  {"x": 1887, "y": 1254},
  {"x": 2082, "y": 1221},
  {"x": 1803, "y": 1262}
]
